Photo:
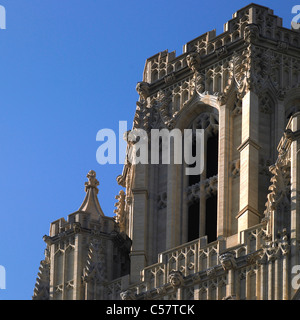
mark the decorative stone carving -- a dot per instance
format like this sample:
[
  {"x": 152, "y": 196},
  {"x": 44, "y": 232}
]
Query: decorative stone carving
[
  {"x": 198, "y": 82},
  {"x": 143, "y": 89},
  {"x": 77, "y": 227},
  {"x": 290, "y": 135},
  {"x": 193, "y": 192},
  {"x": 282, "y": 46},
  {"x": 47, "y": 239},
  {"x": 162, "y": 200},
  {"x": 251, "y": 33},
  {"x": 235, "y": 168},
  {"x": 170, "y": 78},
  {"x": 221, "y": 51},
  {"x": 127, "y": 295},
  {"x": 271, "y": 251},
  {"x": 211, "y": 272},
  {"x": 120, "y": 210},
  {"x": 129, "y": 200},
  {"x": 279, "y": 195},
  {"x": 93, "y": 182},
  {"x": 239, "y": 65},
  {"x": 193, "y": 61},
  {"x": 253, "y": 257},
  {"x": 266, "y": 105},
  {"x": 41, "y": 290},
  {"x": 227, "y": 260},
  {"x": 95, "y": 268},
  {"x": 176, "y": 279},
  {"x": 284, "y": 243},
  {"x": 209, "y": 122},
  {"x": 264, "y": 165},
  {"x": 121, "y": 180},
  {"x": 211, "y": 186},
  {"x": 164, "y": 100},
  {"x": 237, "y": 108}
]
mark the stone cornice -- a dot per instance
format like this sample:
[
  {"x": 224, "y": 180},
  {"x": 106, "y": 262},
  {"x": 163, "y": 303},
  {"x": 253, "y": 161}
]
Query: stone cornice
[{"x": 76, "y": 228}]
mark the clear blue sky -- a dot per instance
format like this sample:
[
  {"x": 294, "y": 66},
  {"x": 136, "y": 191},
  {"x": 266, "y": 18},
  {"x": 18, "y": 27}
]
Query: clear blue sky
[{"x": 68, "y": 69}]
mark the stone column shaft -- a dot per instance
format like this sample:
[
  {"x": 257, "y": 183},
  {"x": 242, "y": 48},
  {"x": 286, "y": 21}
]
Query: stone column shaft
[
  {"x": 223, "y": 176},
  {"x": 249, "y": 158},
  {"x": 138, "y": 255}
]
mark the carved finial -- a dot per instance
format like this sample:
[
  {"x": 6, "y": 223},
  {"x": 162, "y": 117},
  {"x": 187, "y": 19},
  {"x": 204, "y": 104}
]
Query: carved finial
[
  {"x": 93, "y": 182},
  {"x": 91, "y": 203}
]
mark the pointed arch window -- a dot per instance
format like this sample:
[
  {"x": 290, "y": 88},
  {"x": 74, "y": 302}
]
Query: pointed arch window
[{"x": 202, "y": 189}]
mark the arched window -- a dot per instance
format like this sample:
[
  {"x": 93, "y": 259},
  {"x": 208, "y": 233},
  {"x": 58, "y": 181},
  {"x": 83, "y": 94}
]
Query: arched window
[
  {"x": 212, "y": 156},
  {"x": 202, "y": 188},
  {"x": 211, "y": 218}
]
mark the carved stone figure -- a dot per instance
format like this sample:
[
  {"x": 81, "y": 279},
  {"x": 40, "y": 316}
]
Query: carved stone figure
[
  {"x": 176, "y": 279},
  {"x": 193, "y": 61},
  {"x": 143, "y": 89}
]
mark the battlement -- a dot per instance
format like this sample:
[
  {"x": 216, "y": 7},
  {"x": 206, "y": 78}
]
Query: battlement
[{"x": 211, "y": 46}]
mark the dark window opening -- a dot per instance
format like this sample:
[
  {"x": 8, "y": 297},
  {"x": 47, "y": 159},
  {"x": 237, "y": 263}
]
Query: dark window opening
[
  {"x": 193, "y": 221},
  {"x": 212, "y": 156},
  {"x": 193, "y": 179},
  {"x": 211, "y": 219}
]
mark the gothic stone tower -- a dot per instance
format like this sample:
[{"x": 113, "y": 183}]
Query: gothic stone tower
[
  {"x": 82, "y": 253},
  {"x": 231, "y": 232}
]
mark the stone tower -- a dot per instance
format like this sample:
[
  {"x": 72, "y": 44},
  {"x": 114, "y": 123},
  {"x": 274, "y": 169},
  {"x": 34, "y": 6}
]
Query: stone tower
[
  {"x": 231, "y": 232},
  {"x": 82, "y": 253}
]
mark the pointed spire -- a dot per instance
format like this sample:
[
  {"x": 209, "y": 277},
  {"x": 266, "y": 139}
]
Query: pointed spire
[{"x": 90, "y": 203}]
